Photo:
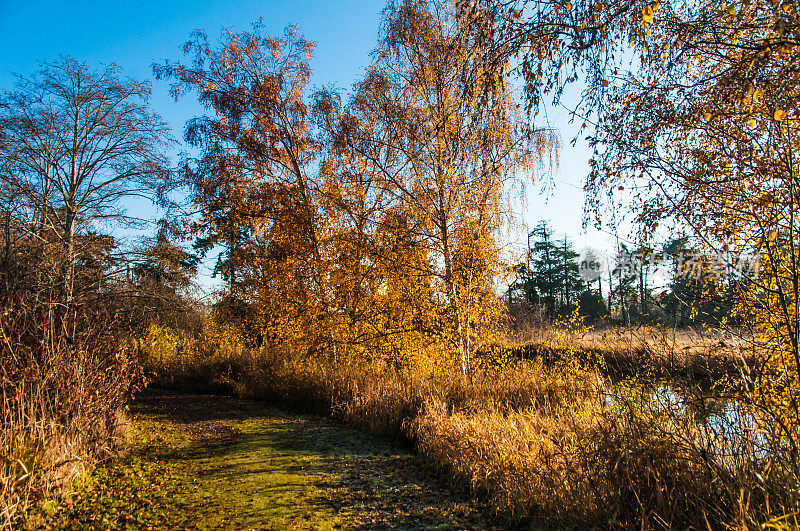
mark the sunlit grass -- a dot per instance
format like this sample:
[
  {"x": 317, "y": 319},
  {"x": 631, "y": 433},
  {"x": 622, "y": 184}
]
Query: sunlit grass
[{"x": 556, "y": 443}]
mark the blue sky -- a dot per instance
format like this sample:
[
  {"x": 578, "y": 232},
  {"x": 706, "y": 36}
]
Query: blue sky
[{"x": 135, "y": 34}]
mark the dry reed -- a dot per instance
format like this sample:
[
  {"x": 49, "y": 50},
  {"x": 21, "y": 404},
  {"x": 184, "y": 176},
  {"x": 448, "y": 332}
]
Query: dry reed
[{"x": 545, "y": 444}]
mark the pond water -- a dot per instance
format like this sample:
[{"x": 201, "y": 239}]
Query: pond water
[{"x": 709, "y": 416}]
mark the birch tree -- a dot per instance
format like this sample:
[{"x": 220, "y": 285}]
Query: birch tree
[{"x": 450, "y": 138}]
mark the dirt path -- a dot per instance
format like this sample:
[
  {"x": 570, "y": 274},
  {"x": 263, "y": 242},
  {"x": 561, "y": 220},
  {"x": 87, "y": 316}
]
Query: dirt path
[{"x": 212, "y": 462}]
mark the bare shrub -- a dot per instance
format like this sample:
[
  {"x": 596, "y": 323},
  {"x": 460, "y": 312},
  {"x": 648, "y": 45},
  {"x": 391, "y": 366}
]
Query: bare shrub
[{"x": 63, "y": 397}]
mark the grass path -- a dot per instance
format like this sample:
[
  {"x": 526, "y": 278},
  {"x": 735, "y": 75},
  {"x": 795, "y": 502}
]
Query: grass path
[{"x": 209, "y": 462}]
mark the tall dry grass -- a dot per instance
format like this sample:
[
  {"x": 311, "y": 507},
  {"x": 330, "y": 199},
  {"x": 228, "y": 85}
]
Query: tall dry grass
[
  {"x": 553, "y": 444},
  {"x": 62, "y": 405},
  {"x": 699, "y": 354},
  {"x": 590, "y": 464}
]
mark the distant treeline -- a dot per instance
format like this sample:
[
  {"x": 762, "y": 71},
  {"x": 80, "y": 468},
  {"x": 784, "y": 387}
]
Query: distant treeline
[{"x": 673, "y": 283}]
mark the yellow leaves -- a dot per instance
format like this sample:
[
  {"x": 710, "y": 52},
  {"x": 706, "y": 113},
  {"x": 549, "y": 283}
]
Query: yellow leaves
[
  {"x": 772, "y": 236},
  {"x": 731, "y": 9},
  {"x": 752, "y": 96},
  {"x": 707, "y": 116},
  {"x": 648, "y": 11},
  {"x": 751, "y": 122},
  {"x": 779, "y": 115}
]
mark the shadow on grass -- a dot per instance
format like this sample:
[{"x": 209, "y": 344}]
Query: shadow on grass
[{"x": 265, "y": 466}]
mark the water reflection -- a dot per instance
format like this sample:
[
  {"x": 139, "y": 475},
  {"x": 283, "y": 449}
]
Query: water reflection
[{"x": 705, "y": 417}]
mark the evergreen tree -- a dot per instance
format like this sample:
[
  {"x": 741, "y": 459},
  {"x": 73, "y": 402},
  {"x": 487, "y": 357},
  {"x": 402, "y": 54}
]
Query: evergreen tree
[
  {"x": 624, "y": 273},
  {"x": 569, "y": 276},
  {"x": 551, "y": 276},
  {"x": 544, "y": 265},
  {"x": 696, "y": 293}
]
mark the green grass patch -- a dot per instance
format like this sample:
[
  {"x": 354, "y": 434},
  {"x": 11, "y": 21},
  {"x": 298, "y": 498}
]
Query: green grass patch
[{"x": 200, "y": 462}]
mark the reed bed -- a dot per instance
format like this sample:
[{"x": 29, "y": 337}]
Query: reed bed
[{"x": 545, "y": 444}]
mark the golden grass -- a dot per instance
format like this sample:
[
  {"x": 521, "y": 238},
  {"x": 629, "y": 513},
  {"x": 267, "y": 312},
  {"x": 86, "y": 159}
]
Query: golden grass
[
  {"x": 545, "y": 444},
  {"x": 62, "y": 411},
  {"x": 706, "y": 354},
  {"x": 577, "y": 466}
]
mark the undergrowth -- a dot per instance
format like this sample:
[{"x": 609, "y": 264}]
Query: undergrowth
[
  {"x": 62, "y": 405},
  {"x": 550, "y": 444}
]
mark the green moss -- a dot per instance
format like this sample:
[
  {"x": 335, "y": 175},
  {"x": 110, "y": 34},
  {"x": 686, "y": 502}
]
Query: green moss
[{"x": 214, "y": 462}]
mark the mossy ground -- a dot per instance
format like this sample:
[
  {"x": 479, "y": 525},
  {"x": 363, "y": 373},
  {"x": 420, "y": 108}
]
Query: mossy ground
[{"x": 213, "y": 462}]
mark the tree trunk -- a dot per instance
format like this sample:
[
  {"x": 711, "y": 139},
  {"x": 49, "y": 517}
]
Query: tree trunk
[
  {"x": 566, "y": 276},
  {"x": 69, "y": 256},
  {"x": 463, "y": 341}
]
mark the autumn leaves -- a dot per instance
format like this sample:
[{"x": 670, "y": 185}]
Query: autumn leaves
[{"x": 357, "y": 226}]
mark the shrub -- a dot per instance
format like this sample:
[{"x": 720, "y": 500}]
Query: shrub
[{"x": 63, "y": 399}]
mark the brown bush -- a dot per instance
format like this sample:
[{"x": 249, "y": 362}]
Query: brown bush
[{"x": 63, "y": 397}]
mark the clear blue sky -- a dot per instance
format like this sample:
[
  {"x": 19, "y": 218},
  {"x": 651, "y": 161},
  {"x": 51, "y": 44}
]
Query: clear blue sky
[{"x": 135, "y": 34}]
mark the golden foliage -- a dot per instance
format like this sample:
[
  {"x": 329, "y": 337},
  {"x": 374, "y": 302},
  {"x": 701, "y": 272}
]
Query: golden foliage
[{"x": 366, "y": 229}]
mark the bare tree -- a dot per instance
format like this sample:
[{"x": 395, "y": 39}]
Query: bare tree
[{"x": 73, "y": 143}]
